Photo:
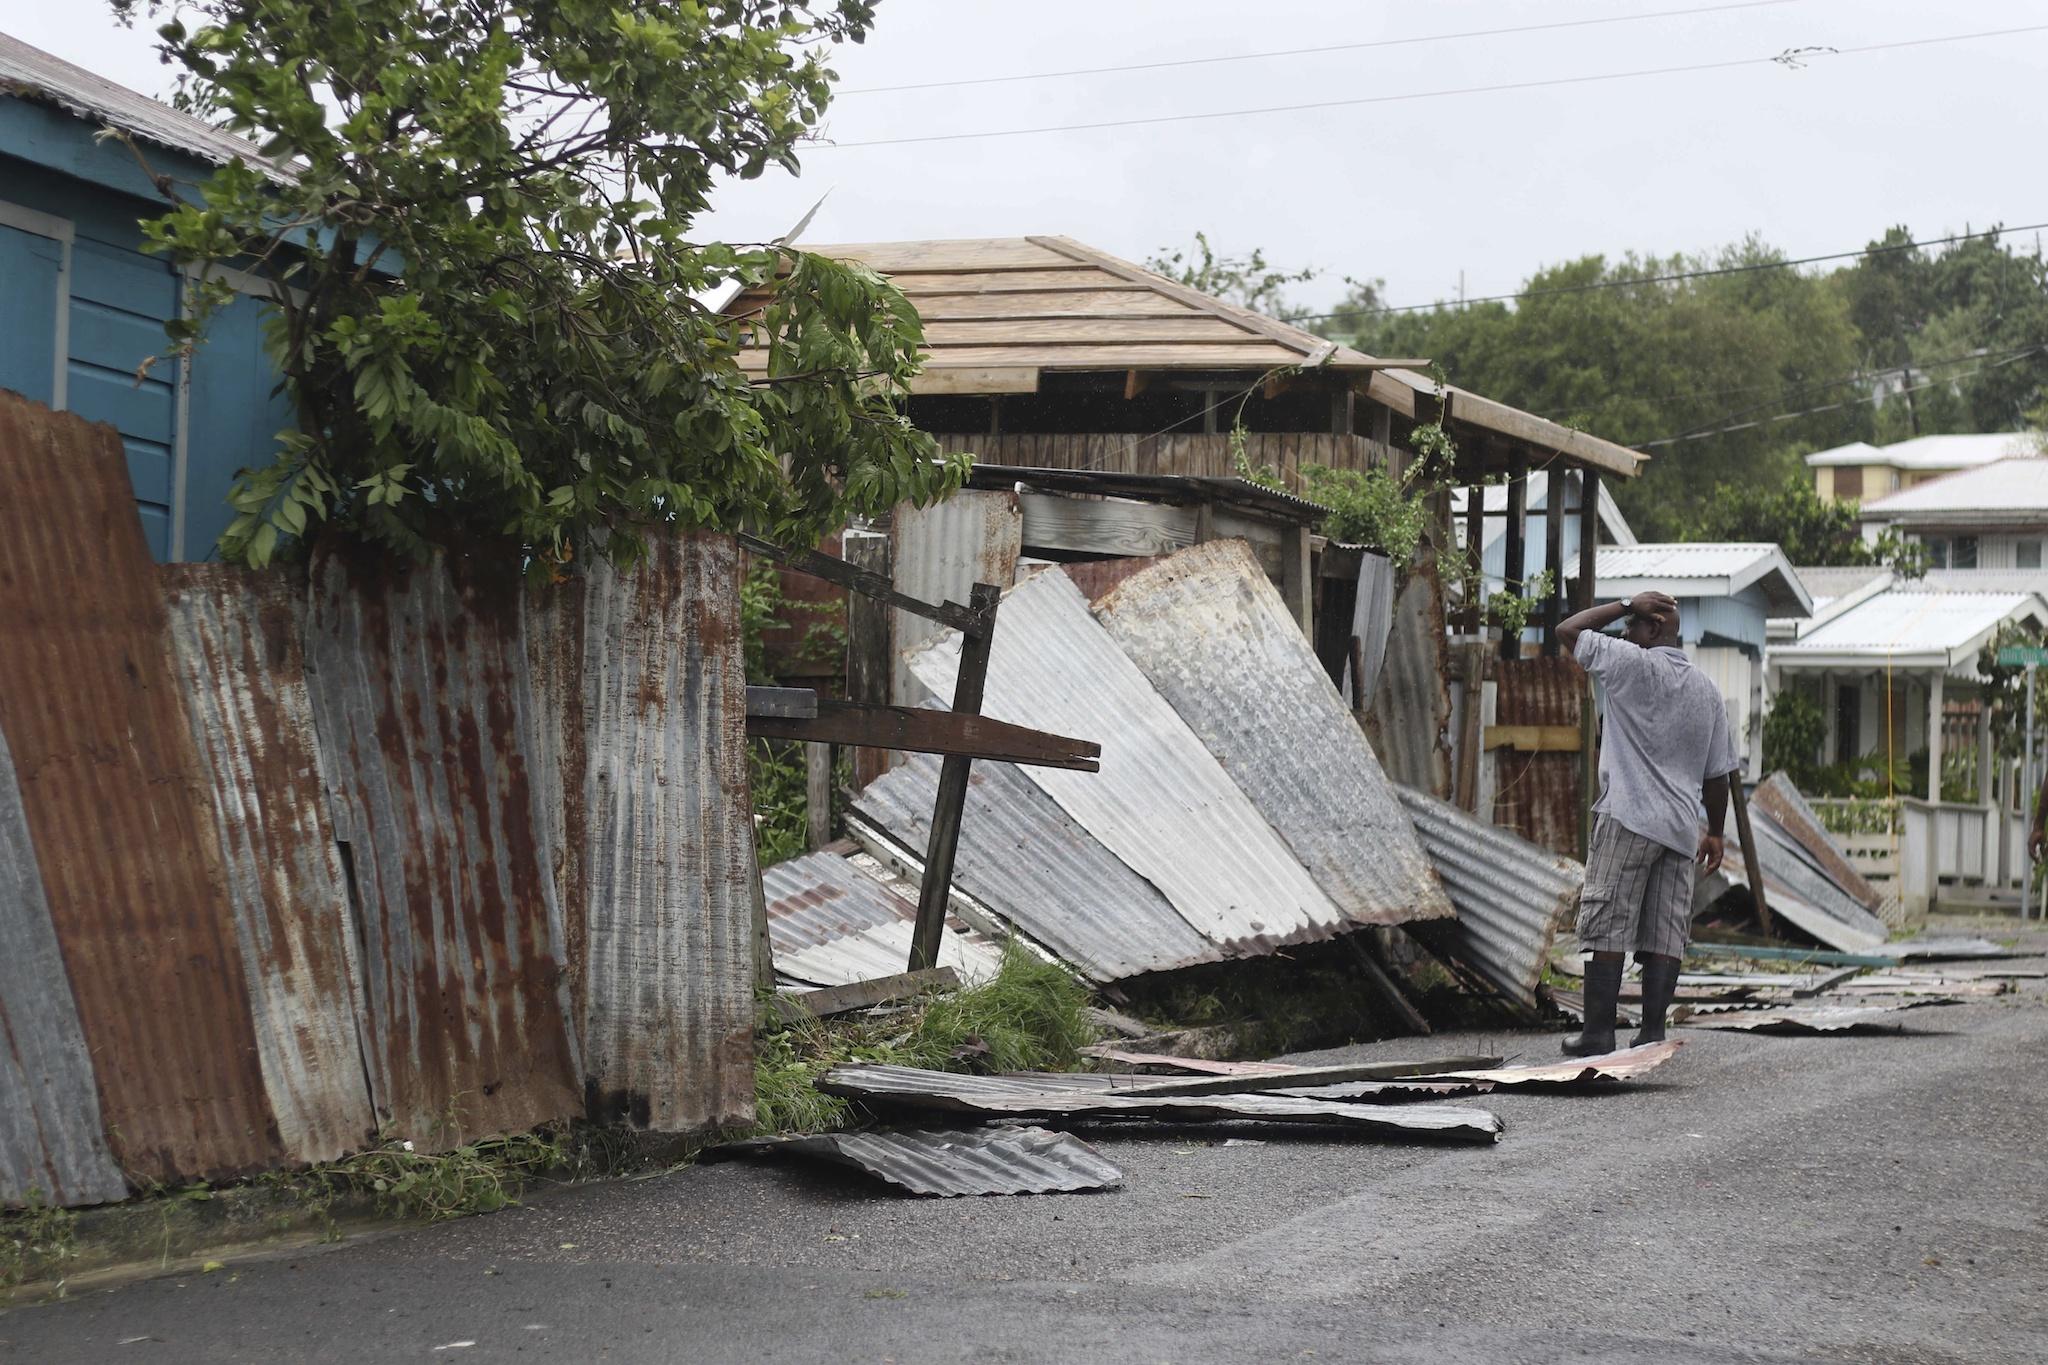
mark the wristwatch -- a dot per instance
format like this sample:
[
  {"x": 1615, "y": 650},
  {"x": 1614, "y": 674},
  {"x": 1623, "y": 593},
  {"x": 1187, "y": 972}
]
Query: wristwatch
[{"x": 1627, "y": 606}]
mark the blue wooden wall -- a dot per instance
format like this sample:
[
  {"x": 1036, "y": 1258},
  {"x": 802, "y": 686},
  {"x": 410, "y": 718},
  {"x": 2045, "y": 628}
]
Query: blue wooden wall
[{"x": 82, "y": 311}]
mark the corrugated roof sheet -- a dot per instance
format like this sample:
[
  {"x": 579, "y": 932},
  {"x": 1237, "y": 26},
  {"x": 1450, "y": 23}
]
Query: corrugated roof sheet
[
  {"x": 1410, "y": 715},
  {"x": 53, "y": 1147},
  {"x": 116, "y": 805},
  {"x": 1027, "y": 860},
  {"x": 1011, "y": 1097},
  {"x": 1161, "y": 802},
  {"x": 1208, "y": 630},
  {"x": 32, "y": 73},
  {"x": 1955, "y": 451},
  {"x": 1923, "y": 627},
  {"x": 1801, "y": 887},
  {"x": 832, "y": 924},
  {"x": 667, "y": 952},
  {"x": 960, "y": 1162},
  {"x": 1782, "y": 802},
  {"x": 1819, "y": 1018},
  {"x": 1511, "y": 896},
  {"x": 422, "y": 695},
  {"x": 241, "y": 670},
  {"x": 2016, "y": 483},
  {"x": 937, "y": 554},
  {"x": 1700, "y": 569},
  {"x": 997, "y": 311}
]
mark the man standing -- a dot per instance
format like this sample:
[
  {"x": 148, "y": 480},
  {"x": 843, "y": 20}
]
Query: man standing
[{"x": 1665, "y": 751}]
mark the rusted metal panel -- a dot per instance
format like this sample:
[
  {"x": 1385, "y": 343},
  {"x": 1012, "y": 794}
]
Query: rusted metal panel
[
  {"x": 1409, "y": 719},
  {"x": 1030, "y": 862},
  {"x": 116, "y": 806},
  {"x": 1777, "y": 798},
  {"x": 947, "y": 1164},
  {"x": 1012, "y": 1097},
  {"x": 236, "y": 652},
  {"x": 668, "y": 948},
  {"x": 1207, "y": 629},
  {"x": 937, "y": 554},
  {"x": 1624, "y": 1065},
  {"x": 1537, "y": 794},
  {"x": 833, "y": 924},
  {"x": 425, "y": 714},
  {"x": 53, "y": 1149},
  {"x": 1161, "y": 802},
  {"x": 1511, "y": 895}
]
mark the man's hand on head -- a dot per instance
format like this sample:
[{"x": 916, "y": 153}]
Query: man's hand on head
[{"x": 1652, "y": 604}]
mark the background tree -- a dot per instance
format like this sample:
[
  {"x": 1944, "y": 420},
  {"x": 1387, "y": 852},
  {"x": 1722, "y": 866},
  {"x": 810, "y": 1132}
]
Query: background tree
[{"x": 491, "y": 330}]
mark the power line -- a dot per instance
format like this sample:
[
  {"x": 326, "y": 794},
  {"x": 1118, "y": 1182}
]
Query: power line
[
  {"x": 1666, "y": 279},
  {"x": 1783, "y": 58},
  {"x": 1310, "y": 51}
]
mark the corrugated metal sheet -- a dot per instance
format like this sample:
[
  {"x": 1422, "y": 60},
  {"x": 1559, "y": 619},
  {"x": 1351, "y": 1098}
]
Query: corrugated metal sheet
[
  {"x": 1208, "y": 631},
  {"x": 947, "y": 1164},
  {"x": 1511, "y": 896},
  {"x": 1027, "y": 860},
  {"x": 1537, "y": 794},
  {"x": 937, "y": 554},
  {"x": 53, "y": 1149},
  {"x": 1945, "y": 626},
  {"x": 1625, "y": 1065},
  {"x": 832, "y": 925},
  {"x": 2016, "y": 481},
  {"x": 1410, "y": 715},
  {"x": 1372, "y": 619},
  {"x": 668, "y": 893},
  {"x": 1819, "y": 1018},
  {"x": 1161, "y": 802},
  {"x": 1700, "y": 569},
  {"x": 1776, "y": 797},
  {"x": 36, "y": 74},
  {"x": 1799, "y": 889},
  {"x": 235, "y": 639},
  {"x": 117, "y": 810},
  {"x": 1010, "y": 1097},
  {"x": 422, "y": 698}
]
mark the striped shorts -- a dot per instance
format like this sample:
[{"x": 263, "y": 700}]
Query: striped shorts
[{"x": 1638, "y": 894}]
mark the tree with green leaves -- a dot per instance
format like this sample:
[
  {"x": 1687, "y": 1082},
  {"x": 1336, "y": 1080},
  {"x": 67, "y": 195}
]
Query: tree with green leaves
[{"x": 487, "y": 300}]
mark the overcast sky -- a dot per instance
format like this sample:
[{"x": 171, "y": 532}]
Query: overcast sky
[{"x": 1493, "y": 184}]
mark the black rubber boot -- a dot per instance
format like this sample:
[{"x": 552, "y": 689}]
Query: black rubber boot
[
  {"x": 1660, "y": 980},
  {"x": 1603, "y": 989}
]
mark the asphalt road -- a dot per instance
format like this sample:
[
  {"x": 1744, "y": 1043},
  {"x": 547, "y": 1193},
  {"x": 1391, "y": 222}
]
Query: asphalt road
[{"x": 1844, "y": 1198}]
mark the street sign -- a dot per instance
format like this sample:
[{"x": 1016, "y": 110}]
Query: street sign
[{"x": 2023, "y": 656}]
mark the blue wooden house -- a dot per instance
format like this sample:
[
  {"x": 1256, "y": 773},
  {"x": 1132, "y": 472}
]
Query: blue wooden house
[{"x": 82, "y": 307}]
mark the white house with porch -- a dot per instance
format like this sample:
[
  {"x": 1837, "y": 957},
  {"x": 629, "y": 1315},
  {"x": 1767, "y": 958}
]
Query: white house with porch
[{"x": 1893, "y": 665}]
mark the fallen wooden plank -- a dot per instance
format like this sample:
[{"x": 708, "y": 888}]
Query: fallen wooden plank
[
  {"x": 860, "y": 995},
  {"x": 866, "y": 583},
  {"x": 1001, "y": 1097},
  {"x": 925, "y": 731},
  {"x": 793, "y": 702},
  {"x": 1533, "y": 739}
]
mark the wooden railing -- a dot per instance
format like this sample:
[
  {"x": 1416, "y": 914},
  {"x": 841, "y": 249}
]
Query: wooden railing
[{"x": 1197, "y": 453}]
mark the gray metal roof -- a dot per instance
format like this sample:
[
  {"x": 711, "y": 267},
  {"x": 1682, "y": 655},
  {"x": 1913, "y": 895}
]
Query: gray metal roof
[
  {"x": 1701, "y": 569},
  {"x": 1956, "y": 451},
  {"x": 946, "y": 1164},
  {"x": 2014, "y": 489},
  {"x": 937, "y": 554},
  {"x": 1028, "y": 861},
  {"x": 1161, "y": 802},
  {"x": 1208, "y": 630},
  {"x": 31, "y": 73},
  {"x": 1009, "y": 1097},
  {"x": 1511, "y": 895},
  {"x": 831, "y": 924},
  {"x": 1912, "y": 628}
]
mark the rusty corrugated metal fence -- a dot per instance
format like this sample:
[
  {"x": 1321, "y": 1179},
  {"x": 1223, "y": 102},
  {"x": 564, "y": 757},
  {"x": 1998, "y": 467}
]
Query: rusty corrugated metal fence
[{"x": 405, "y": 850}]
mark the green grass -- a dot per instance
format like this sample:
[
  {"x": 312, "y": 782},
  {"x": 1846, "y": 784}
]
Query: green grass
[
  {"x": 1031, "y": 1016},
  {"x": 35, "y": 1241}
]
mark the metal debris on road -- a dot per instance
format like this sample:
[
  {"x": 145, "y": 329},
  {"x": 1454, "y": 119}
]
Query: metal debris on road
[
  {"x": 998, "y": 1097},
  {"x": 832, "y": 924},
  {"x": 1623, "y": 1065},
  {"x": 950, "y": 1163},
  {"x": 1820, "y": 1018}
]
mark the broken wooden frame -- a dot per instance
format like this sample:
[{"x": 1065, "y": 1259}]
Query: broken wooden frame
[{"x": 961, "y": 735}]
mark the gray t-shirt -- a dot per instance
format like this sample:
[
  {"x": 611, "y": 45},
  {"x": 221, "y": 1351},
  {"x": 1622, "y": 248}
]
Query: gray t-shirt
[{"x": 1664, "y": 733}]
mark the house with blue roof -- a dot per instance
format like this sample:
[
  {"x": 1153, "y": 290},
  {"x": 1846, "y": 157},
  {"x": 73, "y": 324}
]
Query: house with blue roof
[{"x": 84, "y": 306}]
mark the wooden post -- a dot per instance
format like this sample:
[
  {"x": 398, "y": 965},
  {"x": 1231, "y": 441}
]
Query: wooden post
[
  {"x": 1357, "y": 677},
  {"x": 1588, "y": 586},
  {"x": 1934, "y": 737},
  {"x": 764, "y": 951},
  {"x": 1297, "y": 583},
  {"x": 1205, "y": 522},
  {"x": 1750, "y": 862},
  {"x": 1513, "y": 543},
  {"x": 1384, "y": 984},
  {"x": 869, "y": 629},
  {"x": 1553, "y": 556},
  {"x": 818, "y": 792},
  {"x": 1470, "y": 731},
  {"x": 1475, "y": 557},
  {"x": 953, "y": 774}
]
